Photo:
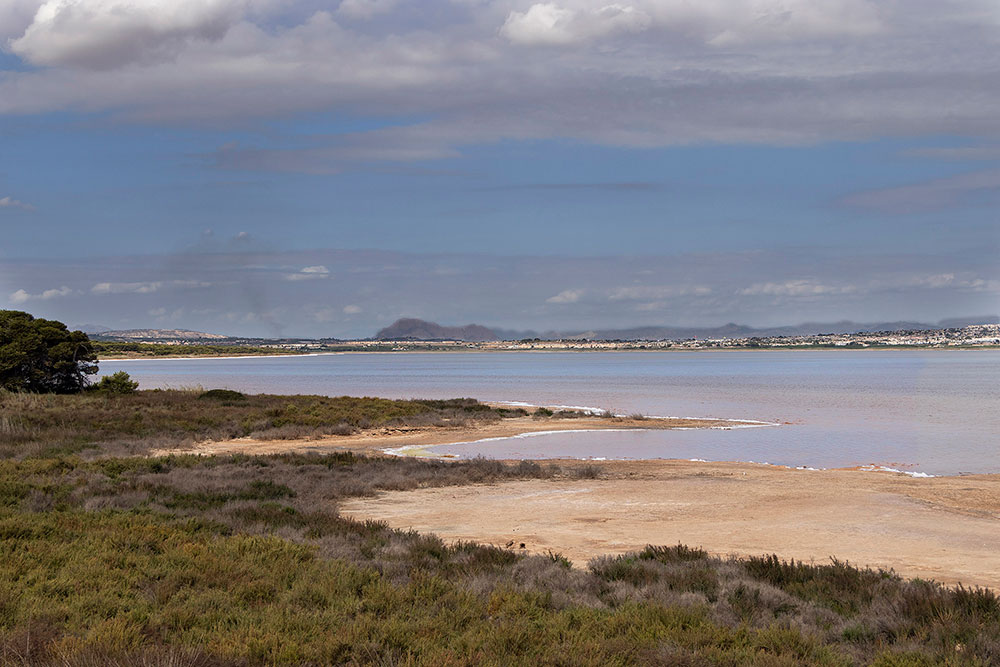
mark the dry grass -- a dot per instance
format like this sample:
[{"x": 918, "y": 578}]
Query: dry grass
[
  {"x": 239, "y": 560},
  {"x": 818, "y": 614},
  {"x": 50, "y": 425}
]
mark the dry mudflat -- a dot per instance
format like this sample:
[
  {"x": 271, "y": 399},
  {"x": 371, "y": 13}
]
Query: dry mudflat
[{"x": 944, "y": 528}]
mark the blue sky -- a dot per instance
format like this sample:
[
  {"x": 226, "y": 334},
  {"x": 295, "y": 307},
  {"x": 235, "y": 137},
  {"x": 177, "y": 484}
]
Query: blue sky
[{"x": 298, "y": 167}]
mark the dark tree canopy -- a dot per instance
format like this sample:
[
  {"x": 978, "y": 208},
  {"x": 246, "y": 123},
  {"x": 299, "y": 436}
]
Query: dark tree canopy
[{"x": 41, "y": 355}]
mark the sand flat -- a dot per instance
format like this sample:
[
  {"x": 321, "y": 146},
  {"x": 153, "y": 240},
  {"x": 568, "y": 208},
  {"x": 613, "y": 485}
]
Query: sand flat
[{"x": 945, "y": 528}]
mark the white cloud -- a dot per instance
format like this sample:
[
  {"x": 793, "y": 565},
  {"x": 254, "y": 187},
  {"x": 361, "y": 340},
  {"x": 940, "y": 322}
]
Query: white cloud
[
  {"x": 10, "y": 202},
  {"x": 352, "y": 309},
  {"x": 566, "y": 296},
  {"x": 809, "y": 288},
  {"x": 946, "y": 281},
  {"x": 54, "y": 293},
  {"x": 15, "y": 17},
  {"x": 146, "y": 287},
  {"x": 796, "y": 288},
  {"x": 640, "y": 292},
  {"x": 938, "y": 280},
  {"x": 107, "y": 33},
  {"x": 717, "y": 23},
  {"x": 309, "y": 273},
  {"x": 21, "y": 296},
  {"x": 549, "y": 23},
  {"x": 126, "y": 288},
  {"x": 980, "y": 285},
  {"x": 628, "y": 73},
  {"x": 726, "y": 23}
]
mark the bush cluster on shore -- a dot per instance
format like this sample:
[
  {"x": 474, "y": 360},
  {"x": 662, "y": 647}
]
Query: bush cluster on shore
[
  {"x": 240, "y": 560},
  {"x": 114, "y": 419}
]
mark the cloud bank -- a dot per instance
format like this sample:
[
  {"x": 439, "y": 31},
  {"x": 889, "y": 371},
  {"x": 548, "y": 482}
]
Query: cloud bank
[{"x": 447, "y": 74}]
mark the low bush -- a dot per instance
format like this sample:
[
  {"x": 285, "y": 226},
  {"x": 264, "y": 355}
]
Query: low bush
[
  {"x": 222, "y": 395},
  {"x": 119, "y": 384}
]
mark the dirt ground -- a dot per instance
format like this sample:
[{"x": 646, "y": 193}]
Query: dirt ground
[{"x": 943, "y": 528}]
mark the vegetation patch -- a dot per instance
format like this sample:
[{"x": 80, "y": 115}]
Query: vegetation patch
[
  {"x": 117, "y": 420},
  {"x": 222, "y": 395},
  {"x": 241, "y": 559},
  {"x": 237, "y": 560}
]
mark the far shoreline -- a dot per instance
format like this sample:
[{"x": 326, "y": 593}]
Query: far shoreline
[
  {"x": 458, "y": 350},
  {"x": 170, "y": 357}
]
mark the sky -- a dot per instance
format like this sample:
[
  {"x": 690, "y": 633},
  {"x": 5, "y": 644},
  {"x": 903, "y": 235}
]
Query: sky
[{"x": 323, "y": 167}]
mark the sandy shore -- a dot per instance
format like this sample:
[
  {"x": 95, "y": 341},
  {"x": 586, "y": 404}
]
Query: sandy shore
[
  {"x": 379, "y": 439},
  {"x": 944, "y": 528}
]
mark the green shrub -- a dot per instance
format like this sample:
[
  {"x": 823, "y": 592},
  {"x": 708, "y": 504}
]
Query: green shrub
[
  {"x": 117, "y": 384},
  {"x": 223, "y": 395}
]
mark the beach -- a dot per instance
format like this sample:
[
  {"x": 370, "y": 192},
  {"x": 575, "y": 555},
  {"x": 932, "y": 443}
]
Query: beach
[
  {"x": 415, "y": 439},
  {"x": 943, "y": 528}
]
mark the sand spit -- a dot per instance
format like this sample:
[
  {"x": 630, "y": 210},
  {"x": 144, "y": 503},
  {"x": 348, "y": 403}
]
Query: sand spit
[
  {"x": 376, "y": 441},
  {"x": 943, "y": 528}
]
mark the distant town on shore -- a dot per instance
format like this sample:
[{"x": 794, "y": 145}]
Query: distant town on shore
[{"x": 414, "y": 334}]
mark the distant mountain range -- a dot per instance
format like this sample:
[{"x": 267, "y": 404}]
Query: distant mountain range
[
  {"x": 415, "y": 329},
  {"x": 410, "y": 328}
]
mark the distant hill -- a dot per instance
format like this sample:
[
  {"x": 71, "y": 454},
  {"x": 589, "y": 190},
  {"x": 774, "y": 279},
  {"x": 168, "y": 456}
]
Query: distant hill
[
  {"x": 409, "y": 328},
  {"x": 156, "y": 334}
]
